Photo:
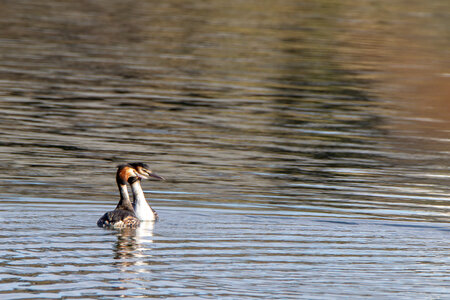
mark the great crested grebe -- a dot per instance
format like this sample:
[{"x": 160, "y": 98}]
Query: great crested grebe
[
  {"x": 123, "y": 215},
  {"x": 141, "y": 208}
]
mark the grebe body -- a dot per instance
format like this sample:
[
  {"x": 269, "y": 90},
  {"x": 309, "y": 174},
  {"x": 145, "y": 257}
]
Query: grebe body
[
  {"x": 141, "y": 207},
  {"x": 123, "y": 216},
  {"x": 119, "y": 218}
]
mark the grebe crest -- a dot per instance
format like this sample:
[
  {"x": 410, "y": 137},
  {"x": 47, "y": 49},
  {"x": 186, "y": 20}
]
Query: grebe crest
[{"x": 144, "y": 171}]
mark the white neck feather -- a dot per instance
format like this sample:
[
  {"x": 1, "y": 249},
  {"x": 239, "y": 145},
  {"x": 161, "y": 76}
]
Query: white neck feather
[
  {"x": 140, "y": 205},
  {"x": 123, "y": 192}
]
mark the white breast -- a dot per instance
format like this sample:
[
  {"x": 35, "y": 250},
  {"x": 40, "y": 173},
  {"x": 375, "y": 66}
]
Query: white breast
[{"x": 140, "y": 205}]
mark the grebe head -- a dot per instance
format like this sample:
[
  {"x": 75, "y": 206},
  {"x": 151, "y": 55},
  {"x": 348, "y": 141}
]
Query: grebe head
[
  {"x": 126, "y": 173},
  {"x": 143, "y": 171}
]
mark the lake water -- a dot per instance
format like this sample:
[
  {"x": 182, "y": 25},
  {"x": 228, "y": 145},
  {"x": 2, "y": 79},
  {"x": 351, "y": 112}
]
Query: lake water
[{"x": 305, "y": 146}]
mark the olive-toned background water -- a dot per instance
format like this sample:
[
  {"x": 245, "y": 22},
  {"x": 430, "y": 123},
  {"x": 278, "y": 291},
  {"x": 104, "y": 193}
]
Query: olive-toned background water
[{"x": 305, "y": 146}]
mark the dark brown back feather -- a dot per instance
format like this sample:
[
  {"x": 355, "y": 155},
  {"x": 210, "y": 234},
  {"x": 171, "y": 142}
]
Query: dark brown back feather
[{"x": 118, "y": 218}]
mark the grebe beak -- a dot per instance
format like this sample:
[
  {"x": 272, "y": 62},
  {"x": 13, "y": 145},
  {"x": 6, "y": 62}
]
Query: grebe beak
[
  {"x": 156, "y": 176},
  {"x": 151, "y": 174}
]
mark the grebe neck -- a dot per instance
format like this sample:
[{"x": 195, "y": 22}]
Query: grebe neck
[
  {"x": 143, "y": 211},
  {"x": 124, "y": 202}
]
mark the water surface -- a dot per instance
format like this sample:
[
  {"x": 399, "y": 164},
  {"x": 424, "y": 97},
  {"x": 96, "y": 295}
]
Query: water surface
[{"x": 305, "y": 147}]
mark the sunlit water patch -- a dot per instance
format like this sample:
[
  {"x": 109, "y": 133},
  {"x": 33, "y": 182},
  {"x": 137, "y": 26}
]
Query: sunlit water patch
[{"x": 51, "y": 251}]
